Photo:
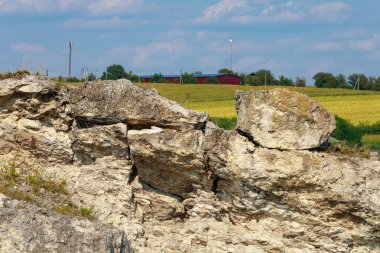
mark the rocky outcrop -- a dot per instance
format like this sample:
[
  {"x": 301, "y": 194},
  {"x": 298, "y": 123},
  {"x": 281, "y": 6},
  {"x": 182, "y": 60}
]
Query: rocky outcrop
[
  {"x": 118, "y": 101},
  {"x": 283, "y": 119},
  {"x": 174, "y": 182},
  {"x": 26, "y": 228}
]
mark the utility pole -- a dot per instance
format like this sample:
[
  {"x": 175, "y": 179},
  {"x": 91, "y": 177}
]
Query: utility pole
[
  {"x": 71, "y": 44},
  {"x": 265, "y": 78},
  {"x": 231, "y": 53}
]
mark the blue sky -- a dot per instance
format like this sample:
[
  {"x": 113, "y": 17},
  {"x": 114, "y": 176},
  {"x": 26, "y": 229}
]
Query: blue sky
[{"x": 293, "y": 38}]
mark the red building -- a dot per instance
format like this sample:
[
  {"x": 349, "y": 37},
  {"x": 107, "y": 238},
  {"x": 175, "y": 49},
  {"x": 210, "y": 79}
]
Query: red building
[{"x": 221, "y": 78}]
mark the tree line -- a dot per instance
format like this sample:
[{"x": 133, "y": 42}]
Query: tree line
[
  {"x": 357, "y": 81},
  {"x": 258, "y": 78}
]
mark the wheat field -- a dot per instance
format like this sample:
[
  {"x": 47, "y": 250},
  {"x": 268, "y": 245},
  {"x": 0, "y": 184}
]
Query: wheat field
[{"x": 219, "y": 100}]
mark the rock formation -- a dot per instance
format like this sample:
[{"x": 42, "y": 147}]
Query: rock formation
[
  {"x": 161, "y": 178},
  {"x": 282, "y": 119}
]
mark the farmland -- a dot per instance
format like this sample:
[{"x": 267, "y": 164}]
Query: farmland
[{"x": 219, "y": 101}]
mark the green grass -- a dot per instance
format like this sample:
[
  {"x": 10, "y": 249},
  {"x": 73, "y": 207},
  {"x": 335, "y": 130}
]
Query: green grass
[
  {"x": 17, "y": 181},
  {"x": 371, "y": 141}
]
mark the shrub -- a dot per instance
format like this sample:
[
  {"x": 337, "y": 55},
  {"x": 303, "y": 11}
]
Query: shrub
[{"x": 225, "y": 123}]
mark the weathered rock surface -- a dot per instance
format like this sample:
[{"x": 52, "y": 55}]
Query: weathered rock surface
[
  {"x": 174, "y": 182},
  {"x": 121, "y": 101},
  {"x": 97, "y": 142},
  {"x": 283, "y": 119},
  {"x": 26, "y": 228},
  {"x": 170, "y": 160}
]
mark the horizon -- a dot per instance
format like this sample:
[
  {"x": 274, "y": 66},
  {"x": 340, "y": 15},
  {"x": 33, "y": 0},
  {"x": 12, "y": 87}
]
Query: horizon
[{"x": 290, "y": 38}]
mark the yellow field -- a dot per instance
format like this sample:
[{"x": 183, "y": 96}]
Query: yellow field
[{"x": 219, "y": 100}]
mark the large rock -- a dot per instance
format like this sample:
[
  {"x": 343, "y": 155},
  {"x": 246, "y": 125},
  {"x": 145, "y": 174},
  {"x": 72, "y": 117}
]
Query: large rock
[
  {"x": 283, "y": 119},
  {"x": 26, "y": 228},
  {"x": 110, "y": 102},
  {"x": 170, "y": 160},
  {"x": 298, "y": 187},
  {"x": 28, "y": 85}
]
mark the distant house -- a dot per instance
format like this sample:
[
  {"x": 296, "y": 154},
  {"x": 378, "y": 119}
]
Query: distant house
[{"x": 222, "y": 78}]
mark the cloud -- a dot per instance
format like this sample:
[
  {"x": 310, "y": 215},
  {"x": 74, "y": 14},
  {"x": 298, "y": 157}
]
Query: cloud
[
  {"x": 329, "y": 46},
  {"x": 330, "y": 12},
  {"x": 273, "y": 12},
  {"x": 113, "y": 6},
  {"x": 17, "y": 6},
  {"x": 97, "y": 7},
  {"x": 115, "y": 22},
  {"x": 220, "y": 9},
  {"x": 360, "y": 45},
  {"x": 27, "y": 48}
]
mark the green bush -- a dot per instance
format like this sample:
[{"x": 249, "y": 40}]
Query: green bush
[
  {"x": 353, "y": 134},
  {"x": 225, "y": 123}
]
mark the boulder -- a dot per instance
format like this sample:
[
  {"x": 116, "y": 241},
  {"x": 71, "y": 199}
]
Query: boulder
[
  {"x": 110, "y": 102},
  {"x": 170, "y": 160},
  {"x": 28, "y": 85},
  {"x": 283, "y": 119}
]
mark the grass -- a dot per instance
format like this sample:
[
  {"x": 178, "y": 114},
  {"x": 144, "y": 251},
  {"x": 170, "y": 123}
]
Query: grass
[
  {"x": 371, "y": 141},
  {"x": 29, "y": 184}
]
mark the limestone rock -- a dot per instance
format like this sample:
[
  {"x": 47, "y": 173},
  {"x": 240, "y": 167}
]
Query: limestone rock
[
  {"x": 28, "y": 85},
  {"x": 298, "y": 186},
  {"x": 96, "y": 142},
  {"x": 174, "y": 182},
  {"x": 46, "y": 143},
  {"x": 170, "y": 160},
  {"x": 26, "y": 228},
  {"x": 120, "y": 101},
  {"x": 283, "y": 119},
  {"x": 103, "y": 186}
]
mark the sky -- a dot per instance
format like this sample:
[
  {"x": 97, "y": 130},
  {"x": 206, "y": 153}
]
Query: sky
[{"x": 292, "y": 38}]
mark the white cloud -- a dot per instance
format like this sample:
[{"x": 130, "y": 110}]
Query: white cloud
[
  {"x": 330, "y": 12},
  {"x": 329, "y": 46},
  {"x": 27, "y": 48},
  {"x": 220, "y": 9},
  {"x": 13, "y": 6},
  {"x": 274, "y": 12},
  {"x": 102, "y": 23},
  {"x": 370, "y": 43},
  {"x": 98, "y": 7},
  {"x": 113, "y": 6}
]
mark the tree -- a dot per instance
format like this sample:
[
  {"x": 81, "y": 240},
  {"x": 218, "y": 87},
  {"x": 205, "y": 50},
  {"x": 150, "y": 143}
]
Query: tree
[
  {"x": 133, "y": 78},
  {"x": 264, "y": 77},
  {"x": 325, "y": 80},
  {"x": 211, "y": 80},
  {"x": 157, "y": 78},
  {"x": 189, "y": 78},
  {"x": 249, "y": 80},
  {"x": 114, "y": 72},
  {"x": 341, "y": 81},
  {"x": 300, "y": 82},
  {"x": 284, "y": 81},
  {"x": 91, "y": 77},
  {"x": 361, "y": 79},
  {"x": 226, "y": 71}
]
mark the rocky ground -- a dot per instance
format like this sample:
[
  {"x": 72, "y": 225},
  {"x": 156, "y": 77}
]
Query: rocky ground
[{"x": 161, "y": 178}]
